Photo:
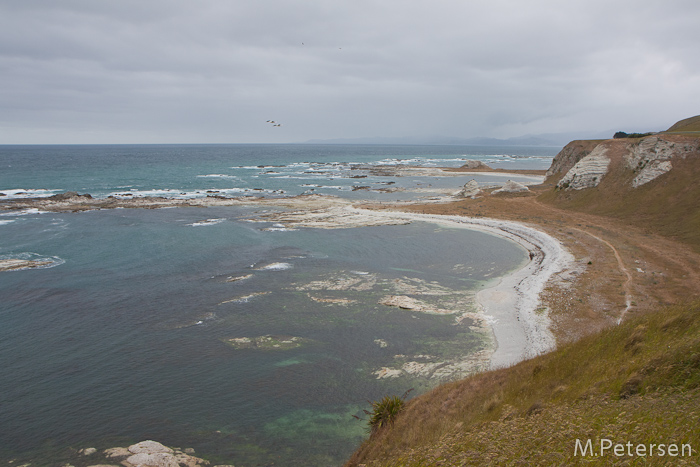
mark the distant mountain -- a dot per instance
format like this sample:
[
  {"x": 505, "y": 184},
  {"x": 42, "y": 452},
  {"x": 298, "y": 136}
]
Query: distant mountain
[{"x": 548, "y": 139}]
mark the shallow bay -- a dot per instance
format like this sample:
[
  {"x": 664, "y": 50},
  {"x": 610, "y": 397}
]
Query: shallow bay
[{"x": 126, "y": 334}]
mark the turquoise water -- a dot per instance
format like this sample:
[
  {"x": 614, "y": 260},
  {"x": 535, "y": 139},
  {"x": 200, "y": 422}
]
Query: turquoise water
[
  {"x": 240, "y": 170},
  {"x": 124, "y": 336}
]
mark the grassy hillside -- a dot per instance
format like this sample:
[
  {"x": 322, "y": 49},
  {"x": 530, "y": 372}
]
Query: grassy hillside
[
  {"x": 638, "y": 382},
  {"x": 691, "y": 124},
  {"x": 668, "y": 205}
]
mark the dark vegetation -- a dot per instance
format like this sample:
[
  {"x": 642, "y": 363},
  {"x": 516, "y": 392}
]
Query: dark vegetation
[
  {"x": 622, "y": 134},
  {"x": 385, "y": 411}
]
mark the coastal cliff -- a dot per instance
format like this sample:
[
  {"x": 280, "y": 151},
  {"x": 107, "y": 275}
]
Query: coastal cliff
[
  {"x": 650, "y": 182},
  {"x": 570, "y": 155},
  {"x": 626, "y": 370},
  {"x": 584, "y": 164}
]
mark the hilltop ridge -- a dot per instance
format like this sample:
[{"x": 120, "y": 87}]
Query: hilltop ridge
[{"x": 691, "y": 124}]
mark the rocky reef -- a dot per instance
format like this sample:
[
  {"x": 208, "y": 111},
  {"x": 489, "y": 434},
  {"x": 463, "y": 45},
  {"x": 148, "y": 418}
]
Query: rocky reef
[
  {"x": 16, "y": 264},
  {"x": 267, "y": 342},
  {"x": 144, "y": 454}
]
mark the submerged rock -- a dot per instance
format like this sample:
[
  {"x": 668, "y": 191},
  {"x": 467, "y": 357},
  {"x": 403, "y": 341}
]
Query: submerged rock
[
  {"x": 432, "y": 367},
  {"x": 408, "y": 303},
  {"x": 16, "y": 264},
  {"x": 342, "y": 281},
  {"x": 238, "y": 278},
  {"x": 267, "y": 342},
  {"x": 244, "y": 298},
  {"x": 381, "y": 343},
  {"x": 332, "y": 301},
  {"x": 385, "y": 372}
]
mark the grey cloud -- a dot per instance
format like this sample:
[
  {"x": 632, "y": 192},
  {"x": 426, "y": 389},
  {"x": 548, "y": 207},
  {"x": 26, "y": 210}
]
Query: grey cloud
[{"x": 214, "y": 70}]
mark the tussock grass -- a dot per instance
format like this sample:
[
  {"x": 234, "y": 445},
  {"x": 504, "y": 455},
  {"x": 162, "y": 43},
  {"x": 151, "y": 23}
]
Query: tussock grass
[
  {"x": 385, "y": 411},
  {"x": 638, "y": 382}
]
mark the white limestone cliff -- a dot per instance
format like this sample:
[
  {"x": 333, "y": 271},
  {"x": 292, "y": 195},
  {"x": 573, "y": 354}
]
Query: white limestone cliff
[
  {"x": 588, "y": 172},
  {"x": 652, "y": 157}
]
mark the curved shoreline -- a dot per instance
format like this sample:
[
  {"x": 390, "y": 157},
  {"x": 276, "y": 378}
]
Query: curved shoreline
[{"x": 511, "y": 306}]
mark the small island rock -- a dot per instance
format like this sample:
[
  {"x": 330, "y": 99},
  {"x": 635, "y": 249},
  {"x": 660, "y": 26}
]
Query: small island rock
[
  {"x": 470, "y": 190},
  {"x": 511, "y": 187}
]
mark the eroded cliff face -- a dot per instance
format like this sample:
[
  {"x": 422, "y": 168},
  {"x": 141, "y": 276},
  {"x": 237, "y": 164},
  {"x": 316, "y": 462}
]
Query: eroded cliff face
[
  {"x": 585, "y": 164},
  {"x": 588, "y": 172},
  {"x": 570, "y": 155},
  {"x": 653, "y": 156}
]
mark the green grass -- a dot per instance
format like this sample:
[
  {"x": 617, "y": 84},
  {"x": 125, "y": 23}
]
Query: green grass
[{"x": 638, "y": 382}]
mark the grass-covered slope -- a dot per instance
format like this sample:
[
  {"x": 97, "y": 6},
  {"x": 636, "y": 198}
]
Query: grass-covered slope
[
  {"x": 636, "y": 383},
  {"x": 668, "y": 205},
  {"x": 691, "y": 124}
]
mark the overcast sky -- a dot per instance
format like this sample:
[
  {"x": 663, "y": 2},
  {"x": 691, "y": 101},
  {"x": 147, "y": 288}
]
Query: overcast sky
[{"x": 213, "y": 71}]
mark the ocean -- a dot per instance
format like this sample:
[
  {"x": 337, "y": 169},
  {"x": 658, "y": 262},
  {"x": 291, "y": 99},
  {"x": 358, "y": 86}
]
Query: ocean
[{"x": 250, "y": 342}]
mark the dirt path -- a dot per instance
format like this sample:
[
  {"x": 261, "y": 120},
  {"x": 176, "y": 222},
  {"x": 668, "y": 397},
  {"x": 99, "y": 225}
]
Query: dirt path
[{"x": 623, "y": 269}]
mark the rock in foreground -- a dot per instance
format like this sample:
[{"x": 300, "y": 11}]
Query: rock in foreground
[{"x": 152, "y": 454}]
